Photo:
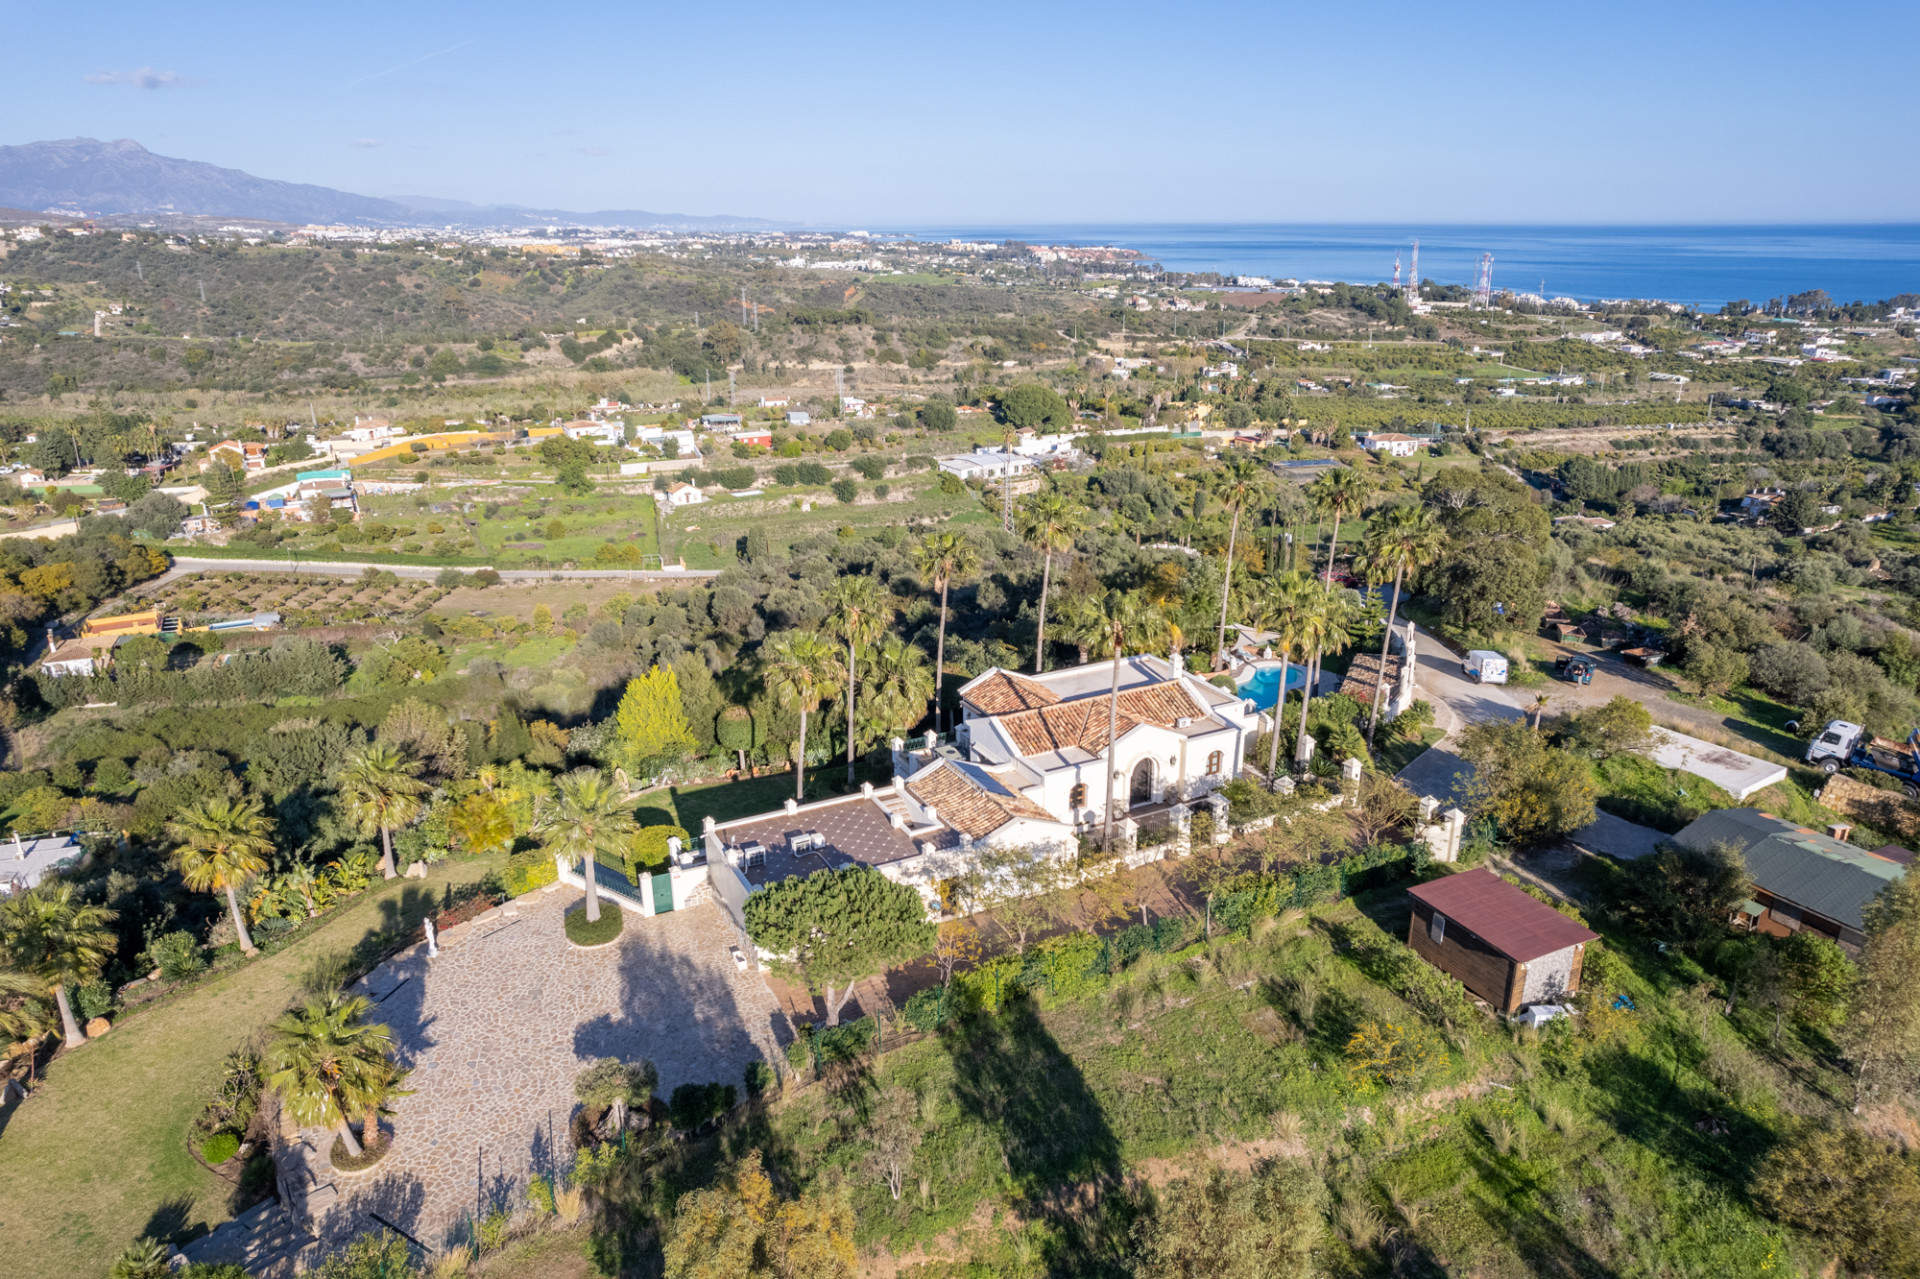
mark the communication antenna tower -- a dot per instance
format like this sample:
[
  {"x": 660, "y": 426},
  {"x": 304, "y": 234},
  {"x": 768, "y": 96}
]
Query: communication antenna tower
[
  {"x": 1396, "y": 270},
  {"x": 1413, "y": 275},
  {"x": 1483, "y": 287}
]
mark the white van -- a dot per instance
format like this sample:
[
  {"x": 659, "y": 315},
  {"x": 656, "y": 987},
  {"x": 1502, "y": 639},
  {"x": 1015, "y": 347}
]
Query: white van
[{"x": 1484, "y": 666}]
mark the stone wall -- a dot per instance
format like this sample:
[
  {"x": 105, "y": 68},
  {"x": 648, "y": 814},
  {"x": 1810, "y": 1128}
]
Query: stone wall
[{"x": 1887, "y": 811}]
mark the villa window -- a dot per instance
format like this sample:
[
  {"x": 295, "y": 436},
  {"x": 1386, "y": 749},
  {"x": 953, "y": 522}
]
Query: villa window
[
  {"x": 1215, "y": 762},
  {"x": 1077, "y": 797}
]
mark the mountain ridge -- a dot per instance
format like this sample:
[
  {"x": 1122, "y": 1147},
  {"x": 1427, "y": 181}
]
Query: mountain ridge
[{"x": 88, "y": 177}]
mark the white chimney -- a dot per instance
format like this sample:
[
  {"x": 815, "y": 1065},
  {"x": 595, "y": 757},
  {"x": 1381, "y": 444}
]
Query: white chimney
[
  {"x": 933, "y": 815},
  {"x": 792, "y": 807},
  {"x": 897, "y": 820},
  {"x": 866, "y": 790}
]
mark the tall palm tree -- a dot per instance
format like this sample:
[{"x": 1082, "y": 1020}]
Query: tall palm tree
[
  {"x": 861, "y": 610},
  {"x": 1325, "y": 627},
  {"x": 223, "y": 844},
  {"x": 899, "y": 681},
  {"x": 59, "y": 941},
  {"x": 381, "y": 792},
  {"x": 25, "y": 1020},
  {"x": 1238, "y": 483},
  {"x": 588, "y": 815},
  {"x": 942, "y": 559},
  {"x": 1050, "y": 522},
  {"x": 802, "y": 666},
  {"x": 328, "y": 1064},
  {"x": 1403, "y": 541},
  {"x": 1129, "y": 621},
  {"x": 1282, "y": 603},
  {"x": 1337, "y": 494}
]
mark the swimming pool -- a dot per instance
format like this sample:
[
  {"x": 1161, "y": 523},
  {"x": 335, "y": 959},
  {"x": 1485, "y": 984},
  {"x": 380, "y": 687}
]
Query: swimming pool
[{"x": 1265, "y": 683}]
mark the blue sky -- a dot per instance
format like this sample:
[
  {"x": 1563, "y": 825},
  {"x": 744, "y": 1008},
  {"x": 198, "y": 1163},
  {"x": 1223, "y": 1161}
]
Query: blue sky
[{"x": 855, "y": 114}]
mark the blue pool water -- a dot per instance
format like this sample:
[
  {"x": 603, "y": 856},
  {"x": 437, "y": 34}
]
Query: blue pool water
[{"x": 1265, "y": 683}]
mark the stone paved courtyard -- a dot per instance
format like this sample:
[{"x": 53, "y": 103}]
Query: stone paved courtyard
[{"x": 495, "y": 1029}]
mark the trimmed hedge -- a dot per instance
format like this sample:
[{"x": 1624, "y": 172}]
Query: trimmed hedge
[
  {"x": 650, "y": 847},
  {"x": 527, "y": 870},
  {"x": 581, "y": 932},
  {"x": 219, "y": 1148}
]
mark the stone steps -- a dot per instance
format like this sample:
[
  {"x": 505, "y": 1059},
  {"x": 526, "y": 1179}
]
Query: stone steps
[{"x": 267, "y": 1241}]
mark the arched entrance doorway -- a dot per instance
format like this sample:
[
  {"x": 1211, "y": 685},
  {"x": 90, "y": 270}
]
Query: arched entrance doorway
[{"x": 1140, "y": 790}]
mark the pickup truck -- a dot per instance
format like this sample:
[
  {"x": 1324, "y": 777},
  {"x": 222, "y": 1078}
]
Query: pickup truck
[{"x": 1844, "y": 745}]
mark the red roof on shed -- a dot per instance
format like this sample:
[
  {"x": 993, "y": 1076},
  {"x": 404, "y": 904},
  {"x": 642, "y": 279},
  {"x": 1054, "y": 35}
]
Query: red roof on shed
[{"x": 1501, "y": 915}]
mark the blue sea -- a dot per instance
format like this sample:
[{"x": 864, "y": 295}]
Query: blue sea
[{"x": 1702, "y": 266}]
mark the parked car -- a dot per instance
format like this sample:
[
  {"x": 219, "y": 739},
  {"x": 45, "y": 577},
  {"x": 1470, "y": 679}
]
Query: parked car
[{"x": 1576, "y": 670}]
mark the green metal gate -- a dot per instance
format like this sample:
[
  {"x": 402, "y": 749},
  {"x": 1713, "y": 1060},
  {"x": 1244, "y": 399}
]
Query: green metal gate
[{"x": 662, "y": 892}]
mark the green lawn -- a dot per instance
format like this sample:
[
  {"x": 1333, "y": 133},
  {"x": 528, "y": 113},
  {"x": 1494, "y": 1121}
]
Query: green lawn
[
  {"x": 1666, "y": 799},
  {"x": 97, "y": 1156},
  {"x": 689, "y": 806}
]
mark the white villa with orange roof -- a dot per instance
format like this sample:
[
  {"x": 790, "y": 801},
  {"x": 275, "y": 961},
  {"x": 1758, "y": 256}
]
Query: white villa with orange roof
[{"x": 1024, "y": 770}]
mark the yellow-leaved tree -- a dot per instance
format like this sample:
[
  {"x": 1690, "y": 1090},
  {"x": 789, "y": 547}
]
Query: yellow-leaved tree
[
  {"x": 650, "y": 727},
  {"x": 743, "y": 1230}
]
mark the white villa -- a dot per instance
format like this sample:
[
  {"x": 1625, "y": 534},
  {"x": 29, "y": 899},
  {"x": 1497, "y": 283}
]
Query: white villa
[{"x": 1024, "y": 770}]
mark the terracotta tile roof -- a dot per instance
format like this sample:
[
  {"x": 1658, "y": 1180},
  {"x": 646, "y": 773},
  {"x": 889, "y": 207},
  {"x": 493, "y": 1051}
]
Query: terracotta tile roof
[
  {"x": 1501, "y": 915},
  {"x": 1364, "y": 671},
  {"x": 973, "y": 800},
  {"x": 1083, "y": 722},
  {"x": 1004, "y": 693}
]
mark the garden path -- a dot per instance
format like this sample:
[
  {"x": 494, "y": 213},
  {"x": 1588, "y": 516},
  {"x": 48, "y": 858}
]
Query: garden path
[{"x": 495, "y": 1029}]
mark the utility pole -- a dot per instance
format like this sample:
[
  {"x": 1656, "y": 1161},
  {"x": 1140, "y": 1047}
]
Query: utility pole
[
  {"x": 1006, "y": 485},
  {"x": 203, "y": 291}
]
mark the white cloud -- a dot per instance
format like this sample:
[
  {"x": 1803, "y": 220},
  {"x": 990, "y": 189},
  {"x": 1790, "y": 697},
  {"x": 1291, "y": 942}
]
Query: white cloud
[
  {"x": 593, "y": 151},
  {"x": 365, "y": 143},
  {"x": 144, "y": 78}
]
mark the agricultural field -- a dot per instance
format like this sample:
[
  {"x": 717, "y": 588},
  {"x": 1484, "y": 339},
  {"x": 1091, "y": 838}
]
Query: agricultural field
[
  {"x": 535, "y": 526},
  {"x": 711, "y": 535},
  {"x": 302, "y": 599}
]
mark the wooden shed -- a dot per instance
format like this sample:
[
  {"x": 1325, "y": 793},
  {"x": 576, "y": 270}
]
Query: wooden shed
[{"x": 1501, "y": 944}]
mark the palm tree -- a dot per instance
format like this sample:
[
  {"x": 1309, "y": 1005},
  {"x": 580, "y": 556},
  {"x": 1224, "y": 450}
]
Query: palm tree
[
  {"x": 1325, "y": 627},
  {"x": 1540, "y": 701},
  {"x": 58, "y": 940},
  {"x": 29, "y": 1018},
  {"x": 861, "y": 610},
  {"x": 943, "y": 558},
  {"x": 302, "y": 880},
  {"x": 223, "y": 844},
  {"x": 899, "y": 682},
  {"x": 481, "y": 822},
  {"x": 1081, "y": 623},
  {"x": 1239, "y": 483},
  {"x": 1337, "y": 494},
  {"x": 1405, "y": 540},
  {"x": 381, "y": 792},
  {"x": 803, "y": 664},
  {"x": 329, "y": 1065},
  {"x": 588, "y": 815},
  {"x": 1129, "y": 620},
  {"x": 1050, "y": 522},
  {"x": 1281, "y": 606}
]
